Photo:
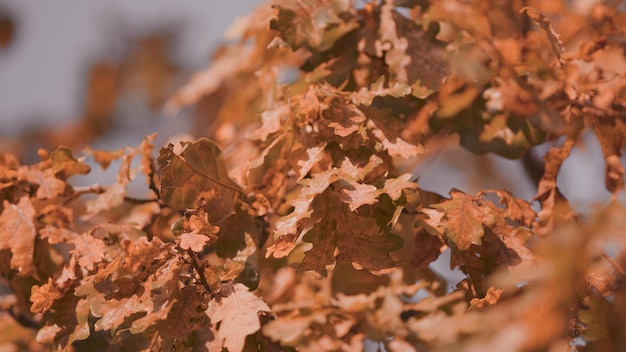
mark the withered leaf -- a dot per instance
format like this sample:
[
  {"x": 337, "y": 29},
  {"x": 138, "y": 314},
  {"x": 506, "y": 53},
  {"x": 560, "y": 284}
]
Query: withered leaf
[
  {"x": 395, "y": 47},
  {"x": 193, "y": 241},
  {"x": 358, "y": 239},
  {"x": 88, "y": 251},
  {"x": 490, "y": 299},
  {"x": 394, "y": 186},
  {"x": 464, "y": 219},
  {"x": 47, "y": 334},
  {"x": 611, "y": 140},
  {"x": 305, "y": 22},
  {"x": 198, "y": 177},
  {"x": 113, "y": 195},
  {"x": 270, "y": 122},
  {"x": 516, "y": 209},
  {"x": 113, "y": 312},
  {"x": 314, "y": 155},
  {"x": 427, "y": 248},
  {"x": 163, "y": 289},
  {"x": 244, "y": 267},
  {"x": 43, "y": 296},
  {"x": 554, "y": 207},
  {"x": 544, "y": 22},
  {"x": 65, "y": 165},
  {"x": 360, "y": 194},
  {"x": 105, "y": 157},
  {"x": 69, "y": 313},
  {"x": 236, "y": 301},
  {"x": 286, "y": 231},
  {"x": 17, "y": 233},
  {"x": 49, "y": 186}
]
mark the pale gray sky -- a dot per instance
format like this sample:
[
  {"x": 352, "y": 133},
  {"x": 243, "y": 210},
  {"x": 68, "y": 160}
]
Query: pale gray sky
[{"x": 43, "y": 71}]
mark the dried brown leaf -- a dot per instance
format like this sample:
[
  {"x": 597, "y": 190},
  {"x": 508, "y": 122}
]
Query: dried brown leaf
[
  {"x": 47, "y": 334},
  {"x": 236, "y": 301},
  {"x": 113, "y": 195},
  {"x": 544, "y": 22},
  {"x": 65, "y": 165},
  {"x": 611, "y": 141},
  {"x": 113, "y": 313},
  {"x": 360, "y": 194},
  {"x": 194, "y": 242},
  {"x": 49, "y": 186},
  {"x": 305, "y": 22},
  {"x": 336, "y": 230},
  {"x": 464, "y": 219},
  {"x": 17, "y": 233},
  {"x": 88, "y": 250},
  {"x": 516, "y": 209},
  {"x": 198, "y": 177},
  {"x": 554, "y": 207},
  {"x": 44, "y": 296}
]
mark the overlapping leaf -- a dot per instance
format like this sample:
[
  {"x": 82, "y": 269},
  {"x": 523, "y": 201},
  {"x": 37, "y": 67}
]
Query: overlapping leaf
[{"x": 198, "y": 177}]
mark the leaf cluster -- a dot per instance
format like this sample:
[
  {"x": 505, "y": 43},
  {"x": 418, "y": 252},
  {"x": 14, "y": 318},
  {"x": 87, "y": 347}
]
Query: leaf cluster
[{"x": 304, "y": 227}]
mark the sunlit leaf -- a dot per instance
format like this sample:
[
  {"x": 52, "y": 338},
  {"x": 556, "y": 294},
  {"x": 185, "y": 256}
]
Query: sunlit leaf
[
  {"x": 232, "y": 332},
  {"x": 17, "y": 233}
]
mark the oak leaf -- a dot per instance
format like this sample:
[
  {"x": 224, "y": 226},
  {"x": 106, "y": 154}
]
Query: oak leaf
[
  {"x": 287, "y": 226},
  {"x": 198, "y": 177},
  {"x": 194, "y": 242},
  {"x": 65, "y": 165},
  {"x": 335, "y": 229},
  {"x": 360, "y": 194},
  {"x": 464, "y": 219},
  {"x": 17, "y": 233},
  {"x": 113, "y": 313},
  {"x": 314, "y": 154},
  {"x": 162, "y": 290},
  {"x": 304, "y": 22},
  {"x": 47, "y": 334},
  {"x": 611, "y": 141},
  {"x": 43, "y": 296},
  {"x": 394, "y": 186},
  {"x": 49, "y": 185},
  {"x": 88, "y": 250},
  {"x": 105, "y": 157},
  {"x": 271, "y": 121},
  {"x": 113, "y": 195},
  {"x": 236, "y": 301},
  {"x": 516, "y": 209}
]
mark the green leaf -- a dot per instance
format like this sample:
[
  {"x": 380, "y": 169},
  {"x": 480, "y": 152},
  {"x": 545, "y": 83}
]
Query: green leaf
[{"x": 198, "y": 178}]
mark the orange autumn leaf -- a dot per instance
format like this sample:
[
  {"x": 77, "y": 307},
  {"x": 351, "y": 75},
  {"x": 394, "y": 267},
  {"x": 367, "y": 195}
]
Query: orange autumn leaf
[{"x": 17, "y": 233}]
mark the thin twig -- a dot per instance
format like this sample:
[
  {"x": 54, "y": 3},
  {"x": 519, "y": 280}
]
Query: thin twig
[
  {"x": 197, "y": 268},
  {"x": 613, "y": 263}
]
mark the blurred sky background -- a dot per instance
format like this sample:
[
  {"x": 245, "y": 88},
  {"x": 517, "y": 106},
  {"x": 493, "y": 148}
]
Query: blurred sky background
[
  {"x": 43, "y": 80},
  {"x": 43, "y": 69}
]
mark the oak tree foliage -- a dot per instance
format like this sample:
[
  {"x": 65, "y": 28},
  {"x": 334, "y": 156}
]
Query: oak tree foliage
[{"x": 305, "y": 228}]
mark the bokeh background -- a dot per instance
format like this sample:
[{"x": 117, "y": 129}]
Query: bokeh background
[
  {"x": 116, "y": 59},
  {"x": 86, "y": 72}
]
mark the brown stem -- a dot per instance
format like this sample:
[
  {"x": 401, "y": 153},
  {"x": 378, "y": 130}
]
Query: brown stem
[{"x": 198, "y": 269}]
